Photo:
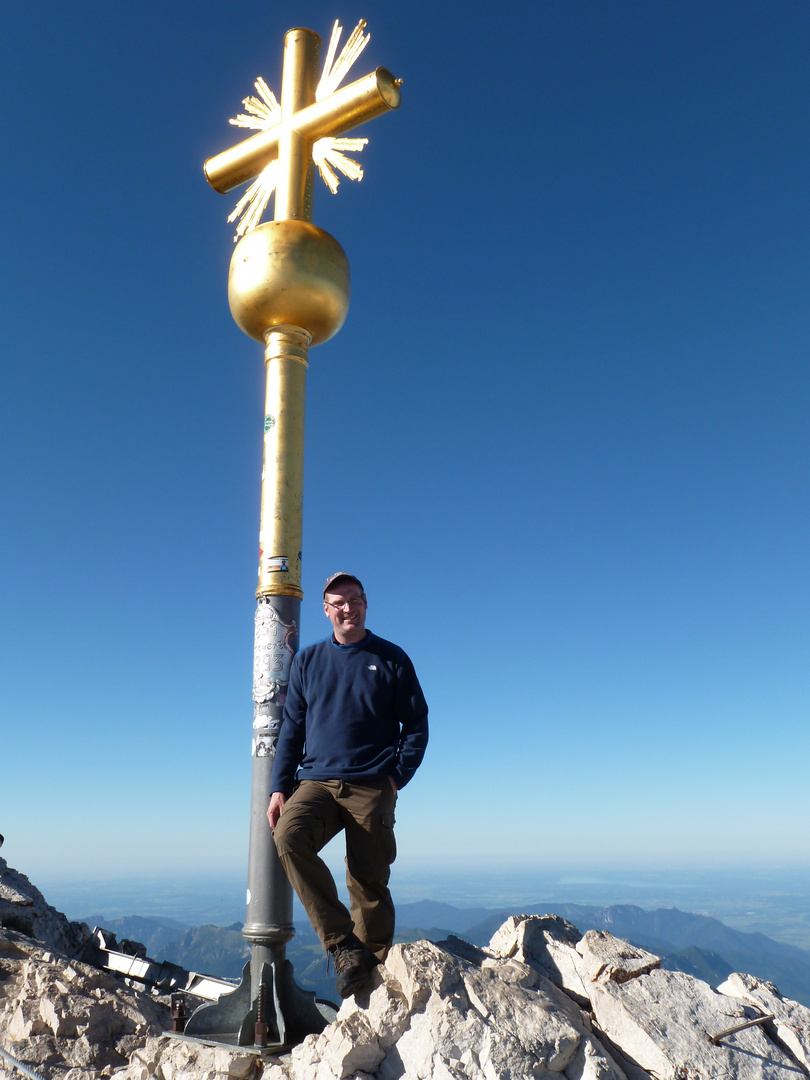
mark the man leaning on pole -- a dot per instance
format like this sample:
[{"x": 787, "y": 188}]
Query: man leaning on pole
[{"x": 354, "y": 733}]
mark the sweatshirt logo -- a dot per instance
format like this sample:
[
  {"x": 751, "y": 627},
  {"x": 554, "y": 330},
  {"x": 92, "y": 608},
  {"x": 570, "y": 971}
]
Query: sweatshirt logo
[{"x": 372, "y": 667}]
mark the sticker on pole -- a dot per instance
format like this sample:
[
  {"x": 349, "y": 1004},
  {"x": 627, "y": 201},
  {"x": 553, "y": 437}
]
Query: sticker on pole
[{"x": 278, "y": 564}]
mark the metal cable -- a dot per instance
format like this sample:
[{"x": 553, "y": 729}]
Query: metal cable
[{"x": 23, "y": 1068}]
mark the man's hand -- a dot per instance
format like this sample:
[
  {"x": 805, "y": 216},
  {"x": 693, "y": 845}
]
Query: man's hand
[
  {"x": 393, "y": 784},
  {"x": 277, "y": 800}
]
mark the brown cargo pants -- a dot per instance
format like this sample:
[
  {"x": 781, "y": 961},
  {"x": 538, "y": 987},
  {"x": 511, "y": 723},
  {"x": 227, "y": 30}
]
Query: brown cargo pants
[{"x": 315, "y": 813}]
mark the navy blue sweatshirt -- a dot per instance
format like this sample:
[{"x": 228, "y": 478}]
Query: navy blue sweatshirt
[{"x": 354, "y": 713}]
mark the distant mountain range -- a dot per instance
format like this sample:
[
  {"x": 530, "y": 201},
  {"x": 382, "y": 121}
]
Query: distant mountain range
[
  {"x": 696, "y": 944},
  {"x": 153, "y": 932}
]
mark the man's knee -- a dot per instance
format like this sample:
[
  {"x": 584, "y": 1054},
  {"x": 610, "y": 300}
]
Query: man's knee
[
  {"x": 280, "y": 834},
  {"x": 297, "y": 831},
  {"x": 290, "y": 836}
]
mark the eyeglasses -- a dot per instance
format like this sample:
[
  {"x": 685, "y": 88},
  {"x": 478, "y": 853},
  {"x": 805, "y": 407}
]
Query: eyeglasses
[{"x": 351, "y": 602}]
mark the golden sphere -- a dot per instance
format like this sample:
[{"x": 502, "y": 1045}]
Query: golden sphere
[{"x": 289, "y": 273}]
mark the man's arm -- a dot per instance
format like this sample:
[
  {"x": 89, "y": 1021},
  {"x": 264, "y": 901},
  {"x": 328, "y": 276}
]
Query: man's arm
[{"x": 412, "y": 714}]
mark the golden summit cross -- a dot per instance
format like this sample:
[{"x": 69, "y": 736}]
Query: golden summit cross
[{"x": 303, "y": 130}]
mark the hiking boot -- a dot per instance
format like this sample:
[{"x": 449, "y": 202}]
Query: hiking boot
[{"x": 354, "y": 964}]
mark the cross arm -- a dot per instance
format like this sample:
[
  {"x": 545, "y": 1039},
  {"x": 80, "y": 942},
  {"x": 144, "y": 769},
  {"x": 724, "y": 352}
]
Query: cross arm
[{"x": 342, "y": 111}]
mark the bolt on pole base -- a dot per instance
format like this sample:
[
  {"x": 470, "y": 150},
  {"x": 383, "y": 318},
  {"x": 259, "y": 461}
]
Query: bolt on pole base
[{"x": 289, "y": 1013}]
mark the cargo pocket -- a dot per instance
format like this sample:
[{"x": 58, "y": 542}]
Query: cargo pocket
[{"x": 387, "y": 840}]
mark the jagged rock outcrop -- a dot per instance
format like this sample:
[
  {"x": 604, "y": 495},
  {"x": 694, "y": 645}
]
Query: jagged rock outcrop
[
  {"x": 56, "y": 1012},
  {"x": 73, "y": 1019},
  {"x": 789, "y": 1019},
  {"x": 657, "y": 1023},
  {"x": 454, "y": 1011},
  {"x": 540, "y": 1001},
  {"x": 23, "y": 908}
]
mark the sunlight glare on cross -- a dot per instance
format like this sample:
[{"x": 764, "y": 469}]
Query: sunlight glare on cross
[{"x": 338, "y": 112}]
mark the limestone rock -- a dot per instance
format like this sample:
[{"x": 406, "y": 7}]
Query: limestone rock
[
  {"x": 67, "y": 1015},
  {"x": 24, "y": 909},
  {"x": 608, "y": 959},
  {"x": 433, "y": 1014},
  {"x": 791, "y": 1021},
  {"x": 659, "y": 1024},
  {"x": 168, "y": 1058},
  {"x": 664, "y": 1022},
  {"x": 548, "y": 943}
]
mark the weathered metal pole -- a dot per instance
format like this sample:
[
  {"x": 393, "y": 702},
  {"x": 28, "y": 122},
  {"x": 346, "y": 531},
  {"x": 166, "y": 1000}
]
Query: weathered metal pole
[{"x": 289, "y": 288}]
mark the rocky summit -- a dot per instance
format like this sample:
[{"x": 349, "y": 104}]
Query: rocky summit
[{"x": 541, "y": 1001}]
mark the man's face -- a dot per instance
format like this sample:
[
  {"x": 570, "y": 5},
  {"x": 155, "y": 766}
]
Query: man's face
[{"x": 345, "y": 608}]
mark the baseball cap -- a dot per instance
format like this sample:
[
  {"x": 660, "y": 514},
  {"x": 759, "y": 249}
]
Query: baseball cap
[{"x": 340, "y": 576}]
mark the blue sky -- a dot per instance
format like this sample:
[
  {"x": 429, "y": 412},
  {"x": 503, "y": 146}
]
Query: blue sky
[{"x": 562, "y": 436}]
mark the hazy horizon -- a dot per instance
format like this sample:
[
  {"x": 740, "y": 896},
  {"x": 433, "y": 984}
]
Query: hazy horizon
[{"x": 773, "y": 900}]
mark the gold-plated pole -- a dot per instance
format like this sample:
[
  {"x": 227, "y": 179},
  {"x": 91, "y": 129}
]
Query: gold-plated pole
[
  {"x": 302, "y": 50},
  {"x": 280, "y": 532}
]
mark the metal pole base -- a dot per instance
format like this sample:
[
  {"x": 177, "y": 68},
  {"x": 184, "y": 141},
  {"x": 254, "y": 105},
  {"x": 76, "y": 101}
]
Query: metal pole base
[{"x": 290, "y": 1013}]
